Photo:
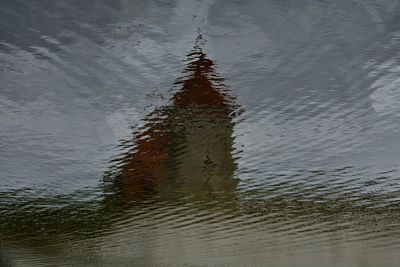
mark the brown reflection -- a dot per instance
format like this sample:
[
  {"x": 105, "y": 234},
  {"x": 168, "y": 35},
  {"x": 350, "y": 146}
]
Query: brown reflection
[{"x": 185, "y": 147}]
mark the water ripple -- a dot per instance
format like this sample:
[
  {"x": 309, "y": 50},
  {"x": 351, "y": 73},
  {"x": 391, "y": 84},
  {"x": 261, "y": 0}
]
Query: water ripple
[{"x": 207, "y": 133}]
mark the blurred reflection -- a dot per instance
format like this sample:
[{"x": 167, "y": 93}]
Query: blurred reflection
[{"x": 185, "y": 147}]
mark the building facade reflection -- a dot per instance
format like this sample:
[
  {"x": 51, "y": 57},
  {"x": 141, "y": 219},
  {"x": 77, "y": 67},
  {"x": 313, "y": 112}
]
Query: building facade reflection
[{"x": 185, "y": 147}]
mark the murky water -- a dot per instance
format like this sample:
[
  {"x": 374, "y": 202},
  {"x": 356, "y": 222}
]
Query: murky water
[{"x": 199, "y": 133}]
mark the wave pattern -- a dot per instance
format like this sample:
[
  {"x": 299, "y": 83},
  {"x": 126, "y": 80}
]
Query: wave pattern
[{"x": 191, "y": 133}]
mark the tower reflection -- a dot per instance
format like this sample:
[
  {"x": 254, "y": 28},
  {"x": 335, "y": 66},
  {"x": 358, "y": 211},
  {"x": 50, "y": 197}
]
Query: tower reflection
[{"x": 185, "y": 147}]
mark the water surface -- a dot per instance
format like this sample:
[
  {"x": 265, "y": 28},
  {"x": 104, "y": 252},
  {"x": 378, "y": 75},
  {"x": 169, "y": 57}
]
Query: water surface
[{"x": 187, "y": 133}]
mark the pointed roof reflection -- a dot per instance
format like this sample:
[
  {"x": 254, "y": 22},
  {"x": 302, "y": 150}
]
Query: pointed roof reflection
[{"x": 187, "y": 145}]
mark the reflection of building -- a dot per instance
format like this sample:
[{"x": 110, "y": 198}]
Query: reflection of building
[{"x": 185, "y": 147}]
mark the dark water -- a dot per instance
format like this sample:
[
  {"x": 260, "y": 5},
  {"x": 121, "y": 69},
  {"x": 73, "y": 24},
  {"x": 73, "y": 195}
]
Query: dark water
[{"x": 199, "y": 133}]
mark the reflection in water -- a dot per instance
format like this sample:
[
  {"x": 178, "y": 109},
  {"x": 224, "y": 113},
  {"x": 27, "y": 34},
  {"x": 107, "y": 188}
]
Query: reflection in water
[
  {"x": 183, "y": 151},
  {"x": 186, "y": 146},
  {"x": 308, "y": 190}
]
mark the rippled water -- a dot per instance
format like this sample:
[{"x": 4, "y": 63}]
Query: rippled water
[{"x": 187, "y": 133}]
